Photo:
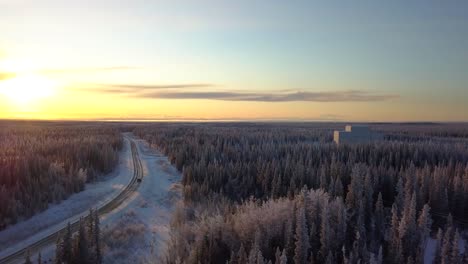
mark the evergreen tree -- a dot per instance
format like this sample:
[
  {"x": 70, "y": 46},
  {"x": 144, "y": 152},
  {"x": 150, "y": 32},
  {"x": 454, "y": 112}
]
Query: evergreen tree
[
  {"x": 424, "y": 227},
  {"x": 446, "y": 250},
  {"x": 394, "y": 257},
  {"x": 400, "y": 197},
  {"x": 278, "y": 256},
  {"x": 325, "y": 239},
  {"x": 379, "y": 218},
  {"x": 424, "y": 223},
  {"x": 58, "y": 250},
  {"x": 260, "y": 259},
  {"x": 97, "y": 240},
  {"x": 377, "y": 259},
  {"x": 90, "y": 229},
  {"x": 284, "y": 258},
  {"x": 252, "y": 259},
  {"x": 289, "y": 235},
  {"x": 449, "y": 223},
  {"x": 302, "y": 237},
  {"x": 67, "y": 246},
  {"x": 27, "y": 258},
  {"x": 83, "y": 250},
  {"x": 330, "y": 259},
  {"x": 410, "y": 260},
  {"x": 380, "y": 256},
  {"x": 407, "y": 227},
  {"x": 255, "y": 249},
  {"x": 455, "y": 254},
  {"x": 438, "y": 247},
  {"x": 242, "y": 255}
]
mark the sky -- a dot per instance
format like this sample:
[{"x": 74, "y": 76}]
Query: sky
[{"x": 234, "y": 60}]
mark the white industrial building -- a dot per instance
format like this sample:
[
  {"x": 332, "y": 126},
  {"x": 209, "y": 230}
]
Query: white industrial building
[{"x": 356, "y": 134}]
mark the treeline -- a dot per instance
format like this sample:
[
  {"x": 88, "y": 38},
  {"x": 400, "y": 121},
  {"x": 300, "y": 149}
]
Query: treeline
[
  {"x": 233, "y": 163},
  {"x": 426, "y": 130},
  {"x": 43, "y": 163},
  {"x": 243, "y": 162}
]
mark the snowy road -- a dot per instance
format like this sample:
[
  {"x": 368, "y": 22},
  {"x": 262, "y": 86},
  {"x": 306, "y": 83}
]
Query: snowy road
[
  {"x": 44, "y": 238},
  {"x": 137, "y": 231}
]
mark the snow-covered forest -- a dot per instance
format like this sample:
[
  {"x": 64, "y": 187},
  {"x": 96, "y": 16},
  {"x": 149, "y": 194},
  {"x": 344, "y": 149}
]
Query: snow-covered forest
[
  {"x": 43, "y": 163},
  {"x": 284, "y": 193}
]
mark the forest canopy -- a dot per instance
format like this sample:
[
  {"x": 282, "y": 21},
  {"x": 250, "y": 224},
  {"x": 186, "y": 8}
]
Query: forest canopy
[{"x": 255, "y": 193}]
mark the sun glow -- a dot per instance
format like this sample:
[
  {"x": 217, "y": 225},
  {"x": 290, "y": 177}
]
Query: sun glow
[{"x": 27, "y": 88}]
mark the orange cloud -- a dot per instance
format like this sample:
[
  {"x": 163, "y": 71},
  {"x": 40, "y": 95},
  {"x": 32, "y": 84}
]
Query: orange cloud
[{"x": 188, "y": 91}]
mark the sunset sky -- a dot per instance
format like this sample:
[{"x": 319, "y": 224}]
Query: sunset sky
[{"x": 234, "y": 60}]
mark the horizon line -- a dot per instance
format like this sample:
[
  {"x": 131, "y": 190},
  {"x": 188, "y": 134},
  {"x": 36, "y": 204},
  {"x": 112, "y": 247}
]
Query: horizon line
[{"x": 225, "y": 120}]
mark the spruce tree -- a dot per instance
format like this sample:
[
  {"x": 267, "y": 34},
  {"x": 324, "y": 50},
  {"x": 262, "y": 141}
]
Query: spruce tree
[
  {"x": 97, "y": 240},
  {"x": 380, "y": 256},
  {"x": 400, "y": 197},
  {"x": 424, "y": 229},
  {"x": 83, "y": 250},
  {"x": 90, "y": 230},
  {"x": 379, "y": 218},
  {"x": 410, "y": 260},
  {"x": 455, "y": 254},
  {"x": 260, "y": 259},
  {"x": 27, "y": 258},
  {"x": 284, "y": 258},
  {"x": 58, "y": 250},
  {"x": 439, "y": 242},
  {"x": 407, "y": 227},
  {"x": 302, "y": 237},
  {"x": 67, "y": 246},
  {"x": 242, "y": 255},
  {"x": 278, "y": 256},
  {"x": 394, "y": 236},
  {"x": 446, "y": 250},
  {"x": 330, "y": 259},
  {"x": 289, "y": 235},
  {"x": 252, "y": 259},
  {"x": 324, "y": 234},
  {"x": 424, "y": 223}
]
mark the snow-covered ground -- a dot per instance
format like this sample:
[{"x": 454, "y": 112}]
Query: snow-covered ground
[
  {"x": 135, "y": 231},
  {"x": 429, "y": 253},
  {"x": 77, "y": 205}
]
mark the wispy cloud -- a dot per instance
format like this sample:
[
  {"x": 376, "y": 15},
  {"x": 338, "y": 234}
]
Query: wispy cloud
[
  {"x": 88, "y": 70},
  {"x": 188, "y": 91},
  {"x": 161, "y": 87},
  {"x": 136, "y": 90},
  {"x": 336, "y": 96}
]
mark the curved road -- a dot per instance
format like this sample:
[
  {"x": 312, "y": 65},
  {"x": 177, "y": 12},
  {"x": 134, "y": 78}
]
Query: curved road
[{"x": 19, "y": 255}]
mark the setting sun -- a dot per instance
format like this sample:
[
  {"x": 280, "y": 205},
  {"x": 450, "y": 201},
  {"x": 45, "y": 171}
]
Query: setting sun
[
  {"x": 25, "y": 89},
  {"x": 248, "y": 131}
]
